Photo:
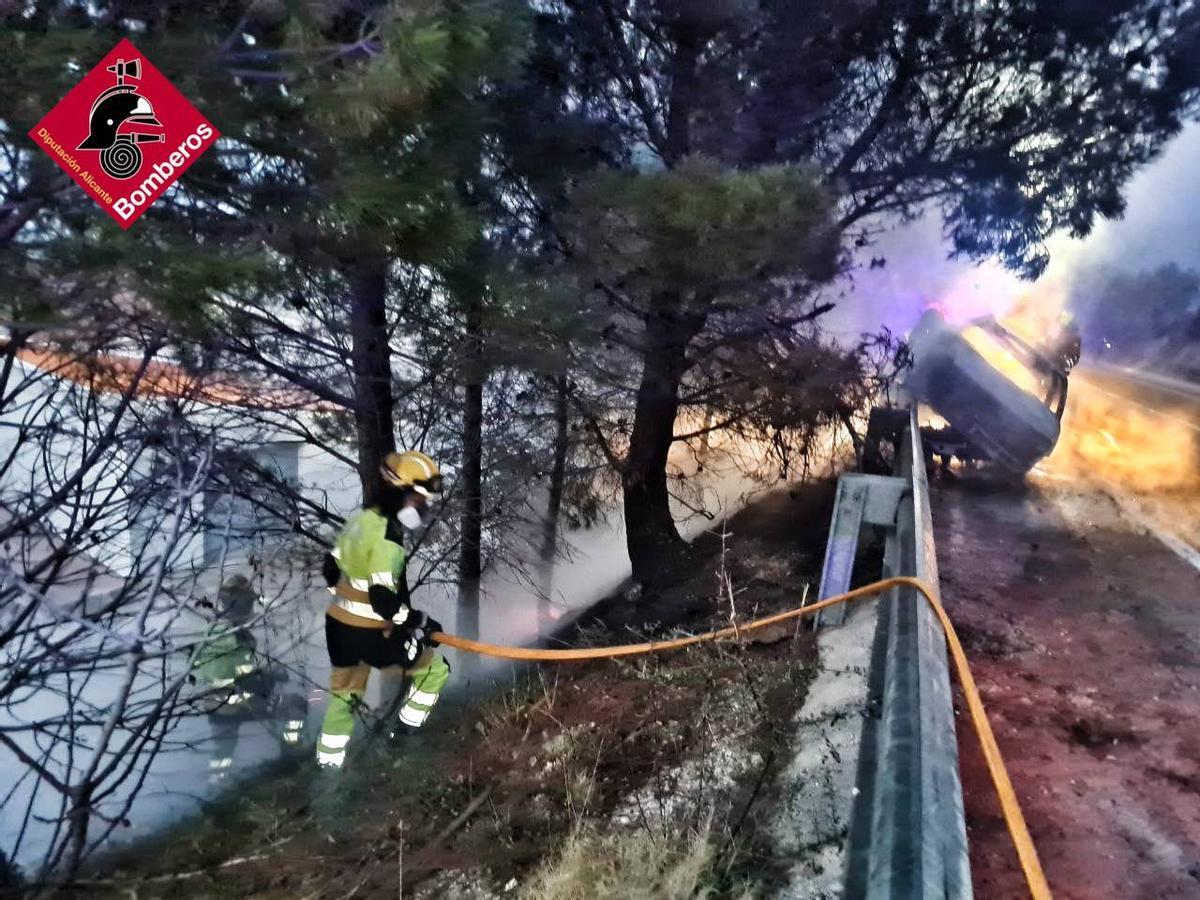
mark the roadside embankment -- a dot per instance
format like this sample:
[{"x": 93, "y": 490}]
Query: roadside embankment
[{"x": 666, "y": 773}]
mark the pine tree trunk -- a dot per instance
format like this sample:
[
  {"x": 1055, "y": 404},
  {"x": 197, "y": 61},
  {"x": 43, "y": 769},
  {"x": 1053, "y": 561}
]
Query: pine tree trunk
[
  {"x": 651, "y": 536},
  {"x": 553, "y": 507},
  {"x": 653, "y": 542},
  {"x": 557, "y": 471},
  {"x": 469, "y": 559},
  {"x": 371, "y": 359}
]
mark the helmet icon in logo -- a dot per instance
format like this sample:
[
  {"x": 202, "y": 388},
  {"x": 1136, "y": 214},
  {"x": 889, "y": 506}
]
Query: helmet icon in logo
[{"x": 112, "y": 125}]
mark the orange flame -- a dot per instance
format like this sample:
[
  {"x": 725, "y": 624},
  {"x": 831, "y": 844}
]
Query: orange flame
[
  {"x": 1002, "y": 360},
  {"x": 1124, "y": 443}
]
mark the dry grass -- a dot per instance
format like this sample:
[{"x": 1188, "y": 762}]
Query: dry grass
[{"x": 630, "y": 865}]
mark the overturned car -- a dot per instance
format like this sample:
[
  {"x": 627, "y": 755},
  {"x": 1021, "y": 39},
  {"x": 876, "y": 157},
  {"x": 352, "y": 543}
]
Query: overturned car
[{"x": 1002, "y": 399}]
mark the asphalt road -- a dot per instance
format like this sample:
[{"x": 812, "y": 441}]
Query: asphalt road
[
  {"x": 1083, "y": 631},
  {"x": 1077, "y": 594}
]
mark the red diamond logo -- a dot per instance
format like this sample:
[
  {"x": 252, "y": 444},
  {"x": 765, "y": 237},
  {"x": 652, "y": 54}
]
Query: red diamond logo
[{"x": 124, "y": 133}]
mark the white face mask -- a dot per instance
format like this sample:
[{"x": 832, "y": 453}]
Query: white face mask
[{"x": 410, "y": 518}]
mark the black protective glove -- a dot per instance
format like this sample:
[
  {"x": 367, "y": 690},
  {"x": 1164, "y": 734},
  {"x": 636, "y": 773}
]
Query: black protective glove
[
  {"x": 414, "y": 636},
  {"x": 424, "y": 625},
  {"x": 387, "y": 602},
  {"x": 331, "y": 571},
  {"x": 408, "y": 644}
]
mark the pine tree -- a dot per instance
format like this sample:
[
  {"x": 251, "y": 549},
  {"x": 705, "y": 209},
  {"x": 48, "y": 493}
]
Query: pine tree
[{"x": 1012, "y": 119}]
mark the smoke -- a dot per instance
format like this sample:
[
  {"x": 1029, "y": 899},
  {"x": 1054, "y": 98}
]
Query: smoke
[
  {"x": 912, "y": 272},
  {"x": 1147, "y": 316},
  {"x": 912, "y": 269},
  {"x": 1131, "y": 284},
  {"x": 1159, "y": 225}
]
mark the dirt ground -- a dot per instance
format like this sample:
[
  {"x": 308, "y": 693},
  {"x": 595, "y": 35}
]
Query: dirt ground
[
  {"x": 1084, "y": 636},
  {"x": 688, "y": 744}
]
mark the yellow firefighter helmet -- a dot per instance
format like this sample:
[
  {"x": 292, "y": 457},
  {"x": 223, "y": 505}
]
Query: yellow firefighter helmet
[{"x": 412, "y": 469}]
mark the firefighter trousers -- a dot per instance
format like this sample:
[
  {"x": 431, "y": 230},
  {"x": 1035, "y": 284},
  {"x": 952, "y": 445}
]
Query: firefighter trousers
[{"x": 353, "y": 653}]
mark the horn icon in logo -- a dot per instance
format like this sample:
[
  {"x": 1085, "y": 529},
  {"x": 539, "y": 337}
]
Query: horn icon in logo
[{"x": 115, "y": 109}]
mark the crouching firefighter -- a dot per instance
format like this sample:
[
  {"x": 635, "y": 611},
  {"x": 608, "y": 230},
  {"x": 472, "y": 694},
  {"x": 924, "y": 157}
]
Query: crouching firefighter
[{"x": 370, "y": 623}]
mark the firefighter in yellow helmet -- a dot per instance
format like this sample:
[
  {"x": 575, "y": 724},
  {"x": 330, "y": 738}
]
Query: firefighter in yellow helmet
[{"x": 370, "y": 623}]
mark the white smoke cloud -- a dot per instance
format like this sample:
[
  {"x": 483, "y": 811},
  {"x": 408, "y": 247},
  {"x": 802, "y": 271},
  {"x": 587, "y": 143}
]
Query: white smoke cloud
[{"x": 1161, "y": 225}]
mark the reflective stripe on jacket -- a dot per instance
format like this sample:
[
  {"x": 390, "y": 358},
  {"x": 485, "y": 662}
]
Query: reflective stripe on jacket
[{"x": 366, "y": 558}]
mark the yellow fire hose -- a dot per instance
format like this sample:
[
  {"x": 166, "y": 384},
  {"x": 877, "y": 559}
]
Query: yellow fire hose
[{"x": 1013, "y": 818}]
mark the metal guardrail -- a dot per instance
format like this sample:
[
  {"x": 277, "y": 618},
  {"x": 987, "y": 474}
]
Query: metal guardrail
[{"x": 907, "y": 833}]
